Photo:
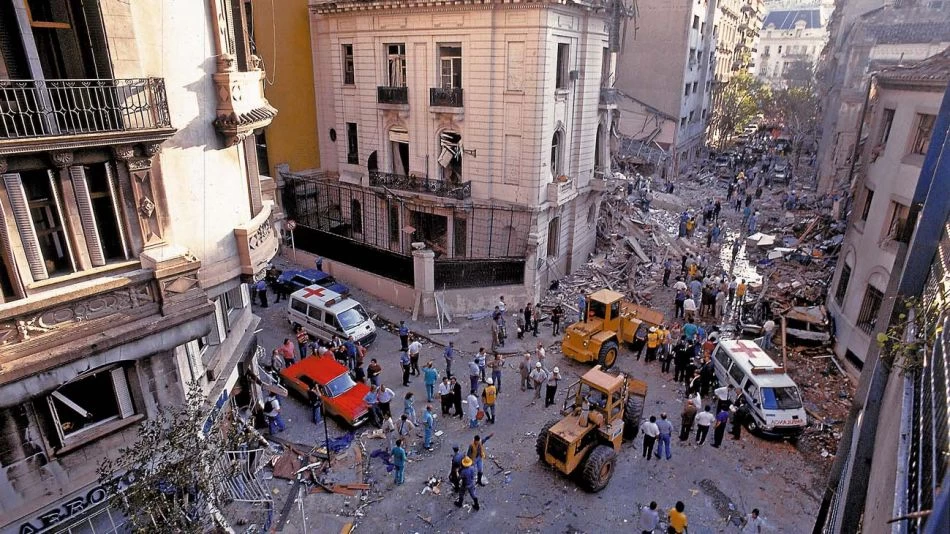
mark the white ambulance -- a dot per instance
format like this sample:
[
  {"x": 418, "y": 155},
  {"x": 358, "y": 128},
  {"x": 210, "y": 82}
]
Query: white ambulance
[
  {"x": 324, "y": 314},
  {"x": 774, "y": 401}
]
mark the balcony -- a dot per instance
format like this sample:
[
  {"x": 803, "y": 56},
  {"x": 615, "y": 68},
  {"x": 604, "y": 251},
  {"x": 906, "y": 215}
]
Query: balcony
[
  {"x": 445, "y": 98},
  {"x": 241, "y": 107},
  {"x": 398, "y": 96},
  {"x": 608, "y": 97},
  {"x": 38, "y": 114},
  {"x": 257, "y": 242},
  {"x": 415, "y": 184},
  {"x": 561, "y": 191}
]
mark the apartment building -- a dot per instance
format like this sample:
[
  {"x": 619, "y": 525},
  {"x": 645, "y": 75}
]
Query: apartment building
[
  {"x": 898, "y": 123},
  {"x": 462, "y": 146},
  {"x": 132, "y": 218},
  {"x": 671, "y": 47},
  {"x": 790, "y": 45},
  {"x": 736, "y": 31}
]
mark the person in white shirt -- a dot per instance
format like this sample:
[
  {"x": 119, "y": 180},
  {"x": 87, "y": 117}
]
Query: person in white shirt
[
  {"x": 472, "y": 410},
  {"x": 540, "y": 353},
  {"x": 649, "y": 519},
  {"x": 689, "y": 306},
  {"x": 680, "y": 285},
  {"x": 650, "y": 432},
  {"x": 753, "y": 523},
  {"x": 415, "y": 349},
  {"x": 768, "y": 330},
  {"x": 445, "y": 395},
  {"x": 704, "y": 419},
  {"x": 501, "y": 304}
]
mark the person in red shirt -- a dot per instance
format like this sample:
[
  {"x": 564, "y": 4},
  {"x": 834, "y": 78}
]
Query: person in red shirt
[{"x": 287, "y": 349}]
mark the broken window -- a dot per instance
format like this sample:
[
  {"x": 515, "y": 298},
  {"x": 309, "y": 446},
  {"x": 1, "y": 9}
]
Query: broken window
[
  {"x": 869, "y": 309},
  {"x": 925, "y": 127},
  {"x": 399, "y": 147},
  {"x": 898, "y": 222},
  {"x": 695, "y": 22},
  {"x": 432, "y": 229},
  {"x": 90, "y": 401},
  {"x": 554, "y": 235},
  {"x": 450, "y": 66},
  {"x": 352, "y": 144},
  {"x": 843, "y": 282},
  {"x": 396, "y": 62},
  {"x": 561, "y": 75},
  {"x": 450, "y": 156},
  {"x": 886, "y": 121},
  {"x": 556, "y": 148},
  {"x": 868, "y": 198},
  {"x": 349, "y": 75}
]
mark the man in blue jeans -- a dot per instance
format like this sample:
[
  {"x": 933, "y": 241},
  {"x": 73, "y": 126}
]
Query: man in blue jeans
[
  {"x": 275, "y": 423},
  {"x": 429, "y": 377},
  {"x": 316, "y": 402},
  {"x": 428, "y": 426},
  {"x": 399, "y": 460},
  {"x": 666, "y": 430}
]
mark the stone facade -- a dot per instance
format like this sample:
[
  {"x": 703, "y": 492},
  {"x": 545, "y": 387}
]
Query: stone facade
[
  {"x": 465, "y": 106},
  {"x": 129, "y": 233},
  {"x": 666, "y": 65},
  {"x": 789, "y": 37}
]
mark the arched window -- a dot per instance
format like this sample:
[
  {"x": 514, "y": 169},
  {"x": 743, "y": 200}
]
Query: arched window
[
  {"x": 598, "y": 148},
  {"x": 556, "y": 161}
]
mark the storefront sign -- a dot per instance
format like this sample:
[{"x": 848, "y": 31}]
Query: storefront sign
[{"x": 70, "y": 509}]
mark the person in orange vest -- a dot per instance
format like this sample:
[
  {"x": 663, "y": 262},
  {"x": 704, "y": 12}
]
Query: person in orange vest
[
  {"x": 740, "y": 293},
  {"x": 653, "y": 342}
]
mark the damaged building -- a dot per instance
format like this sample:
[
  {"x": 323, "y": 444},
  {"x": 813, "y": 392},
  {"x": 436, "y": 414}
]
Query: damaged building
[
  {"x": 132, "y": 220},
  {"x": 462, "y": 146}
]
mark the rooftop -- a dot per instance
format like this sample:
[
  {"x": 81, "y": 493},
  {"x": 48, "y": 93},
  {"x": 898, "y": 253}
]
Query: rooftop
[
  {"x": 785, "y": 20},
  {"x": 910, "y": 32},
  {"x": 933, "y": 70}
]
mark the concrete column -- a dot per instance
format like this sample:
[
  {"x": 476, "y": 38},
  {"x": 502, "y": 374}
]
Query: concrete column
[{"x": 423, "y": 270}]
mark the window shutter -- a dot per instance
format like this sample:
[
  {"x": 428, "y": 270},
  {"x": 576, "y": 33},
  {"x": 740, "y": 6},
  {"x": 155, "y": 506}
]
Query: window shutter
[
  {"x": 8, "y": 259},
  {"x": 84, "y": 200},
  {"x": 114, "y": 193},
  {"x": 123, "y": 397},
  {"x": 217, "y": 335},
  {"x": 58, "y": 204},
  {"x": 195, "y": 365},
  {"x": 56, "y": 422},
  {"x": 24, "y": 223},
  {"x": 245, "y": 295},
  {"x": 98, "y": 45}
]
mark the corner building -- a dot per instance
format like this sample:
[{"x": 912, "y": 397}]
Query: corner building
[
  {"x": 478, "y": 129},
  {"x": 132, "y": 218}
]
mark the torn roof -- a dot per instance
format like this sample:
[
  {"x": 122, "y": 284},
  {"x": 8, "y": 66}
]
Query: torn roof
[
  {"x": 785, "y": 20},
  {"x": 935, "y": 69}
]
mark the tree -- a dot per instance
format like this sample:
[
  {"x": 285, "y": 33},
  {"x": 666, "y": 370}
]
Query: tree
[
  {"x": 738, "y": 103},
  {"x": 796, "y": 108},
  {"x": 172, "y": 477}
]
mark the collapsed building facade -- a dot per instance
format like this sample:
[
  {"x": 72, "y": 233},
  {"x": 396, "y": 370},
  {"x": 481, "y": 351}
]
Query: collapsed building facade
[
  {"x": 463, "y": 147},
  {"x": 132, "y": 219}
]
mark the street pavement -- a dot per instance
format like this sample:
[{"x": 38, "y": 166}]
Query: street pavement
[{"x": 523, "y": 495}]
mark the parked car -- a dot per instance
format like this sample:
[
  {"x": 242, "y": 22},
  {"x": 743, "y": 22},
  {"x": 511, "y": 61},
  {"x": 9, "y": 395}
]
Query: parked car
[
  {"x": 342, "y": 396},
  {"x": 297, "y": 280},
  {"x": 780, "y": 172},
  {"x": 722, "y": 161}
]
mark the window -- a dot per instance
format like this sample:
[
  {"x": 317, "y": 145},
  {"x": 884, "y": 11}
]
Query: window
[
  {"x": 692, "y": 115},
  {"x": 868, "y": 198},
  {"x": 925, "y": 126},
  {"x": 886, "y": 121},
  {"x": 779, "y": 49},
  {"x": 898, "y": 222},
  {"x": 450, "y": 66},
  {"x": 46, "y": 220},
  {"x": 69, "y": 38},
  {"x": 765, "y": 51},
  {"x": 686, "y": 90},
  {"x": 869, "y": 308},
  {"x": 695, "y": 86},
  {"x": 786, "y": 398},
  {"x": 352, "y": 144},
  {"x": 682, "y": 122},
  {"x": 233, "y": 300},
  {"x": 393, "y": 223},
  {"x": 90, "y": 402},
  {"x": 450, "y": 156},
  {"x": 736, "y": 373},
  {"x": 561, "y": 76},
  {"x": 843, "y": 281},
  {"x": 356, "y": 216},
  {"x": 349, "y": 77},
  {"x": 298, "y": 306},
  {"x": 556, "y": 148},
  {"x": 554, "y": 237},
  {"x": 704, "y": 114},
  {"x": 695, "y": 22},
  {"x": 703, "y": 29},
  {"x": 396, "y": 64}
]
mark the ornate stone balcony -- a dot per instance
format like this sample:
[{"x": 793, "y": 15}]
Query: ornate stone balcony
[
  {"x": 46, "y": 115},
  {"x": 257, "y": 242},
  {"x": 241, "y": 106},
  {"x": 561, "y": 191}
]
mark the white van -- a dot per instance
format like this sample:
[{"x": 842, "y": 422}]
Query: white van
[
  {"x": 324, "y": 314},
  {"x": 775, "y": 404}
]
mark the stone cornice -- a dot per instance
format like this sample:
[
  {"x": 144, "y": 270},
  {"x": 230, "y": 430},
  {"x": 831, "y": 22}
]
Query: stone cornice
[{"x": 354, "y": 6}]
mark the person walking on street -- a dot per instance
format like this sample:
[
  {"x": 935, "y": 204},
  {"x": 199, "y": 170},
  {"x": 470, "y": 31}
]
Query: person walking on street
[
  {"x": 399, "y": 460},
  {"x": 261, "y": 288},
  {"x": 650, "y": 432},
  {"x": 429, "y": 377},
  {"x": 389, "y": 431},
  {"x": 275, "y": 423},
  {"x": 409, "y": 406},
  {"x": 496, "y": 366},
  {"x": 666, "y": 432},
  {"x": 687, "y": 418},
  {"x": 540, "y": 353},
  {"x": 372, "y": 404},
  {"x": 677, "y": 518},
  {"x": 720, "y": 427},
  {"x": 476, "y": 451},
  {"x": 653, "y": 342},
  {"x": 472, "y": 410},
  {"x": 551, "y": 388},
  {"x": 649, "y": 519},
  {"x": 467, "y": 484},
  {"x": 524, "y": 368},
  {"x": 415, "y": 350},
  {"x": 667, "y": 270},
  {"x": 404, "y": 430},
  {"x": 316, "y": 403},
  {"x": 474, "y": 371},
  {"x": 520, "y": 323},
  {"x": 403, "y": 336},
  {"x": 481, "y": 359},
  {"x": 741, "y": 289},
  {"x": 384, "y": 396},
  {"x": 457, "y": 397},
  {"x": 556, "y": 314},
  {"x": 489, "y": 395},
  {"x": 428, "y": 427},
  {"x": 768, "y": 330},
  {"x": 287, "y": 350},
  {"x": 538, "y": 376},
  {"x": 454, "y": 472},
  {"x": 739, "y": 415},
  {"x": 373, "y": 370},
  {"x": 406, "y": 365},
  {"x": 449, "y": 356},
  {"x": 753, "y": 523},
  {"x": 303, "y": 341},
  {"x": 536, "y": 319},
  {"x": 703, "y": 420},
  {"x": 445, "y": 395}
]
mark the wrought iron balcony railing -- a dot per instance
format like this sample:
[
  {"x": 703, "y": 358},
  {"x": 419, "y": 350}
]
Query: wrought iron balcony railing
[
  {"x": 448, "y": 98},
  {"x": 429, "y": 186},
  {"x": 49, "y": 108},
  {"x": 392, "y": 95}
]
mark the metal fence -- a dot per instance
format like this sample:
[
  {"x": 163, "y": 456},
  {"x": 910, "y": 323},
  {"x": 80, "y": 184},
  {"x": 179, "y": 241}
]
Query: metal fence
[
  {"x": 458, "y": 274},
  {"x": 45, "y": 108}
]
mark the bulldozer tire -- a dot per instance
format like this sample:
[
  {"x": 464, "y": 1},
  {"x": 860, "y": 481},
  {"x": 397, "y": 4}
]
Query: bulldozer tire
[
  {"x": 608, "y": 354},
  {"x": 632, "y": 415},
  {"x": 598, "y": 468},
  {"x": 541, "y": 443}
]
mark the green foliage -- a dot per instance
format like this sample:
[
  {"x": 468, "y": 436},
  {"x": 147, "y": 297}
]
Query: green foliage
[
  {"x": 905, "y": 340},
  {"x": 738, "y": 103},
  {"x": 171, "y": 478}
]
